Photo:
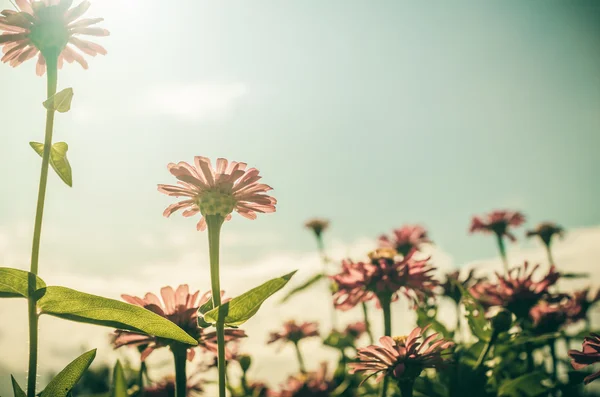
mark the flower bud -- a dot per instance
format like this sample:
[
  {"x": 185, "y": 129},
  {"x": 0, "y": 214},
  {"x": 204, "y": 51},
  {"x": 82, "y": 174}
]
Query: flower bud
[
  {"x": 245, "y": 362},
  {"x": 501, "y": 320}
]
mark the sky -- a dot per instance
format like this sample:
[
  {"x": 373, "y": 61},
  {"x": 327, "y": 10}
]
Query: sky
[{"x": 371, "y": 114}]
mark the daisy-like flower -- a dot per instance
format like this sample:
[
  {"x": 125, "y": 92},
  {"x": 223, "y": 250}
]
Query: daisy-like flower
[
  {"x": 545, "y": 231},
  {"x": 498, "y": 222},
  {"x": 384, "y": 274},
  {"x": 166, "y": 388},
  {"x": 449, "y": 288},
  {"x": 549, "y": 316},
  {"x": 48, "y": 27},
  {"x": 293, "y": 332},
  {"x": 517, "y": 291},
  {"x": 590, "y": 354},
  {"x": 317, "y": 225},
  {"x": 405, "y": 239},
  {"x": 402, "y": 358},
  {"x": 217, "y": 191},
  {"x": 180, "y": 307},
  {"x": 582, "y": 302},
  {"x": 314, "y": 384}
]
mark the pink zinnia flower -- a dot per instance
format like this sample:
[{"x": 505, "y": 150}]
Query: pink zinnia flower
[
  {"x": 402, "y": 357},
  {"x": 545, "y": 231},
  {"x": 498, "y": 222},
  {"x": 582, "y": 301},
  {"x": 166, "y": 388},
  {"x": 405, "y": 239},
  {"x": 589, "y": 355},
  {"x": 317, "y": 225},
  {"x": 217, "y": 192},
  {"x": 517, "y": 291},
  {"x": 48, "y": 25},
  {"x": 181, "y": 308},
  {"x": 293, "y": 332},
  {"x": 384, "y": 274},
  {"x": 314, "y": 384},
  {"x": 548, "y": 316}
]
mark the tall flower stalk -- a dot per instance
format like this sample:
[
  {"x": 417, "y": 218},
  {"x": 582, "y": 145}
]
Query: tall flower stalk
[
  {"x": 215, "y": 194},
  {"x": 545, "y": 232}
]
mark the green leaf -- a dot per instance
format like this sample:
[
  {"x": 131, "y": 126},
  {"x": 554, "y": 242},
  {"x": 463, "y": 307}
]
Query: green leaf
[
  {"x": 91, "y": 309},
  {"x": 17, "y": 391},
  {"x": 240, "y": 309},
  {"x": 119, "y": 383},
  {"x": 302, "y": 287},
  {"x": 58, "y": 159},
  {"x": 66, "y": 379},
  {"x": 529, "y": 385},
  {"x": 14, "y": 283},
  {"x": 61, "y": 101},
  {"x": 536, "y": 340},
  {"x": 574, "y": 275},
  {"x": 480, "y": 326}
]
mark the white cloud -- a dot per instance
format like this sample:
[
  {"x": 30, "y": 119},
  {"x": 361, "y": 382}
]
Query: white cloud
[
  {"x": 578, "y": 252},
  {"x": 194, "y": 102}
]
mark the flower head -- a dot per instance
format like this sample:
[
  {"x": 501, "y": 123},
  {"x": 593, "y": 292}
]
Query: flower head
[
  {"x": 311, "y": 384},
  {"x": 498, "y": 222},
  {"x": 590, "y": 354},
  {"x": 293, "y": 332},
  {"x": 402, "y": 357},
  {"x": 548, "y": 316},
  {"x": 217, "y": 191},
  {"x": 384, "y": 274},
  {"x": 166, "y": 388},
  {"x": 48, "y": 27},
  {"x": 545, "y": 231},
  {"x": 405, "y": 239},
  {"x": 180, "y": 307},
  {"x": 317, "y": 225},
  {"x": 517, "y": 291}
]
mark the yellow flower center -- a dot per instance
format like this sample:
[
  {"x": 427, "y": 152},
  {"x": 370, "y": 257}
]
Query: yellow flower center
[
  {"x": 216, "y": 203},
  {"x": 400, "y": 340},
  {"x": 383, "y": 253}
]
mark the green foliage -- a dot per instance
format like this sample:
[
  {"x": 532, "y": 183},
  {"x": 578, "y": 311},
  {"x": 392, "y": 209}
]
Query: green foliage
[
  {"x": 529, "y": 385},
  {"x": 311, "y": 281},
  {"x": 86, "y": 308},
  {"x": 480, "y": 326},
  {"x": 58, "y": 160},
  {"x": 17, "y": 391},
  {"x": 427, "y": 316},
  {"x": 119, "y": 383},
  {"x": 60, "y": 102},
  {"x": 240, "y": 309},
  {"x": 425, "y": 386},
  {"x": 66, "y": 379},
  {"x": 14, "y": 283}
]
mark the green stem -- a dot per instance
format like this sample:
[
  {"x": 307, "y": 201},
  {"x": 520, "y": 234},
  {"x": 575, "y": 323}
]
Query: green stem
[
  {"x": 549, "y": 252},
  {"x": 140, "y": 380},
  {"x": 458, "y": 322},
  {"x": 321, "y": 247},
  {"x": 386, "y": 305},
  {"x": 406, "y": 388},
  {"x": 214, "y": 223},
  {"x": 52, "y": 74},
  {"x": 300, "y": 358},
  {"x": 502, "y": 249},
  {"x": 180, "y": 356},
  {"x": 485, "y": 352},
  {"x": 367, "y": 323},
  {"x": 554, "y": 359},
  {"x": 529, "y": 351}
]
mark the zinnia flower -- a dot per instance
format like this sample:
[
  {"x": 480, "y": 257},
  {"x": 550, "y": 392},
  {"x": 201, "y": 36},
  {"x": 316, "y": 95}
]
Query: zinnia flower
[
  {"x": 313, "y": 384},
  {"x": 405, "y": 239},
  {"x": 166, "y": 388},
  {"x": 402, "y": 357},
  {"x": 498, "y": 222},
  {"x": 217, "y": 192},
  {"x": 545, "y": 231},
  {"x": 180, "y": 307},
  {"x": 590, "y": 354},
  {"x": 317, "y": 225},
  {"x": 548, "y": 316},
  {"x": 293, "y": 332},
  {"x": 581, "y": 304},
  {"x": 517, "y": 291},
  {"x": 48, "y": 26},
  {"x": 384, "y": 274}
]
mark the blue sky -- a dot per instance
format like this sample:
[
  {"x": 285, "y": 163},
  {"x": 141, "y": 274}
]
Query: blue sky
[{"x": 369, "y": 113}]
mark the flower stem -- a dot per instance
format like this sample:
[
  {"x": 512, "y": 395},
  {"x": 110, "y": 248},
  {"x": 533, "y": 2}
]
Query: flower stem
[
  {"x": 214, "y": 223},
  {"x": 406, "y": 388},
  {"x": 386, "y": 302},
  {"x": 549, "y": 252},
  {"x": 485, "y": 352},
  {"x": 365, "y": 310},
  {"x": 529, "y": 351},
  {"x": 140, "y": 380},
  {"x": 180, "y": 356},
  {"x": 554, "y": 359},
  {"x": 502, "y": 249},
  {"x": 321, "y": 247},
  {"x": 300, "y": 358},
  {"x": 52, "y": 74}
]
